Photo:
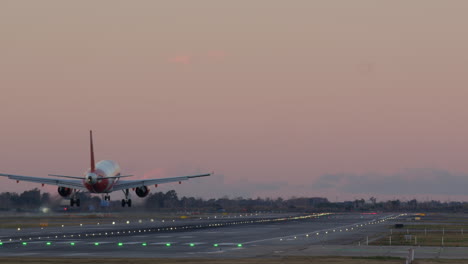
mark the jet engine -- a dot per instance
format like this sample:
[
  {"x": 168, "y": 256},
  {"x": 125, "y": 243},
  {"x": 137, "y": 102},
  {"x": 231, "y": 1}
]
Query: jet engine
[
  {"x": 64, "y": 191},
  {"x": 142, "y": 191}
]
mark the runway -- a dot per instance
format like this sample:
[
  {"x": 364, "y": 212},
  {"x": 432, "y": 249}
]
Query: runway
[{"x": 252, "y": 236}]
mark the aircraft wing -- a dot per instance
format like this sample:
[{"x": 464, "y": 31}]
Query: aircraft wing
[
  {"x": 121, "y": 185},
  {"x": 73, "y": 184}
]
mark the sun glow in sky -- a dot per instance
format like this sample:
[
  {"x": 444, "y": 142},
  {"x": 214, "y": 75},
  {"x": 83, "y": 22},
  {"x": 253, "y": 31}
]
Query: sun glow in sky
[{"x": 279, "y": 98}]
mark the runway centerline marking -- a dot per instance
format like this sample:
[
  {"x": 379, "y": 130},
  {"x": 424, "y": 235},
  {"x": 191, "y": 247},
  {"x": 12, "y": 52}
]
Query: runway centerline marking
[{"x": 312, "y": 232}]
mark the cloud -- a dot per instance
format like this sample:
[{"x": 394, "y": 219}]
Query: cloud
[
  {"x": 181, "y": 59},
  {"x": 409, "y": 182},
  {"x": 216, "y": 55},
  {"x": 213, "y": 56},
  {"x": 215, "y": 186}
]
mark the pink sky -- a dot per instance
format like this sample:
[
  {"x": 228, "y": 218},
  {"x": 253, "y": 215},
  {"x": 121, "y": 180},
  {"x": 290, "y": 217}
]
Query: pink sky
[{"x": 272, "y": 95}]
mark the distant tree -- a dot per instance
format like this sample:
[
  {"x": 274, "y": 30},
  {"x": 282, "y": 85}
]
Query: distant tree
[
  {"x": 155, "y": 200},
  {"x": 30, "y": 199},
  {"x": 171, "y": 200},
  {"x": 45, "y": 198}
]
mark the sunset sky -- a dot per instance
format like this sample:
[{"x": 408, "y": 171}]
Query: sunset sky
[{"x": 342, "y": 99}]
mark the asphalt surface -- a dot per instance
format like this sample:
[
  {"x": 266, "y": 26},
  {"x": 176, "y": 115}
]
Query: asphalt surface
[{"x": 250, "y": 236}]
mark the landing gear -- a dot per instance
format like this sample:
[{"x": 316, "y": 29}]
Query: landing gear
[
  {"x": 106, "y": 197},
  {"x": 128, "y": 202},
  {"x": 74, "y": 200},
  {"x": 127, "y": 199}
]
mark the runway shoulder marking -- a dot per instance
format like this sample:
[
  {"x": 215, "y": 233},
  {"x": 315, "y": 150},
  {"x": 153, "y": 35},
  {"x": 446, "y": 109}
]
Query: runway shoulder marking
[
  {"x": 29, "y": 253},
  {"x": 228, "y": 244},
  {"x": 132, "y": 243},
  {"x": 163, "y": 243},
  {"x": 75, "y": 254}
]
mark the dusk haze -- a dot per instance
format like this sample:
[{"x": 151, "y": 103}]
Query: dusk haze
[{"x": 337, "y": 99}]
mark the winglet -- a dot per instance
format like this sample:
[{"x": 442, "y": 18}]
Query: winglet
[{"x": 93, "y": 165}]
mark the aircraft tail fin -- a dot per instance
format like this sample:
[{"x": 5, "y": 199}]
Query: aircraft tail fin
[{"x": 93, "y": 164}]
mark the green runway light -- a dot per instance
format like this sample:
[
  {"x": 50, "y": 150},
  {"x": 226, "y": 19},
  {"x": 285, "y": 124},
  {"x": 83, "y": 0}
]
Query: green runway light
[
  {"x": 72, "y": 243},
  {"x": 168, "y": 244},
  {"x": 96, "y": 244},
  {"x": 48, "y": 243},
  {"x": 144, "y": 244},
  {"x": 120, "y": 244},
  {"x": 192, "y": 244},
  {"x": 1, "y": 243},
  {"x": 239, "y": 245},
  {"x": 215, "y": 245},
  {"x": 24, "y": 243}
]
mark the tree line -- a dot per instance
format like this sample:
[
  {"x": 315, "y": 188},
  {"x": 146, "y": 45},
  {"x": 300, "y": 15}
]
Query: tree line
[{"x": 32, "y": 200}]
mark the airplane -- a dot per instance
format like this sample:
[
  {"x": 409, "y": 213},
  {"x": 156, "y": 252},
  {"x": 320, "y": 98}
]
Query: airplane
[{"x": 103, "y": 177}]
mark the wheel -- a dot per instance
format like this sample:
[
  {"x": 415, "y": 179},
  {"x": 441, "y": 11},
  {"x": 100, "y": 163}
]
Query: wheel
[
  {"x": 72, "y": 202},
  {"x": 129, "y": 202},
  {"x": 123, "y": 203},
  {"x": 77, "y": 202}
]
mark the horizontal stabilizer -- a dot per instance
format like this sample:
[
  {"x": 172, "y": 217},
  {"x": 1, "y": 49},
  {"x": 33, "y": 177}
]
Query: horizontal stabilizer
[
  {"x": 114, "y": 177},
  {"x": 80, "y": 178},
  {"x": 65, "y": 176}
]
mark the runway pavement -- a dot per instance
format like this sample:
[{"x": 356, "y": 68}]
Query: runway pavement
[{"x": 246, "y": 237}]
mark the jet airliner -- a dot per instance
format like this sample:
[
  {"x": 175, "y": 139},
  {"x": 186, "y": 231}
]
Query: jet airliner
[{"x": 103, "y": 177}]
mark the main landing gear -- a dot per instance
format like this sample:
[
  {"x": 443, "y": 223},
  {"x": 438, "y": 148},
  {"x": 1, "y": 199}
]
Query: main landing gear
[
  {"x": 127, "y": 199},
  {"x": 74, "y": 200},
  {"x": 106, "y": 197}
]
